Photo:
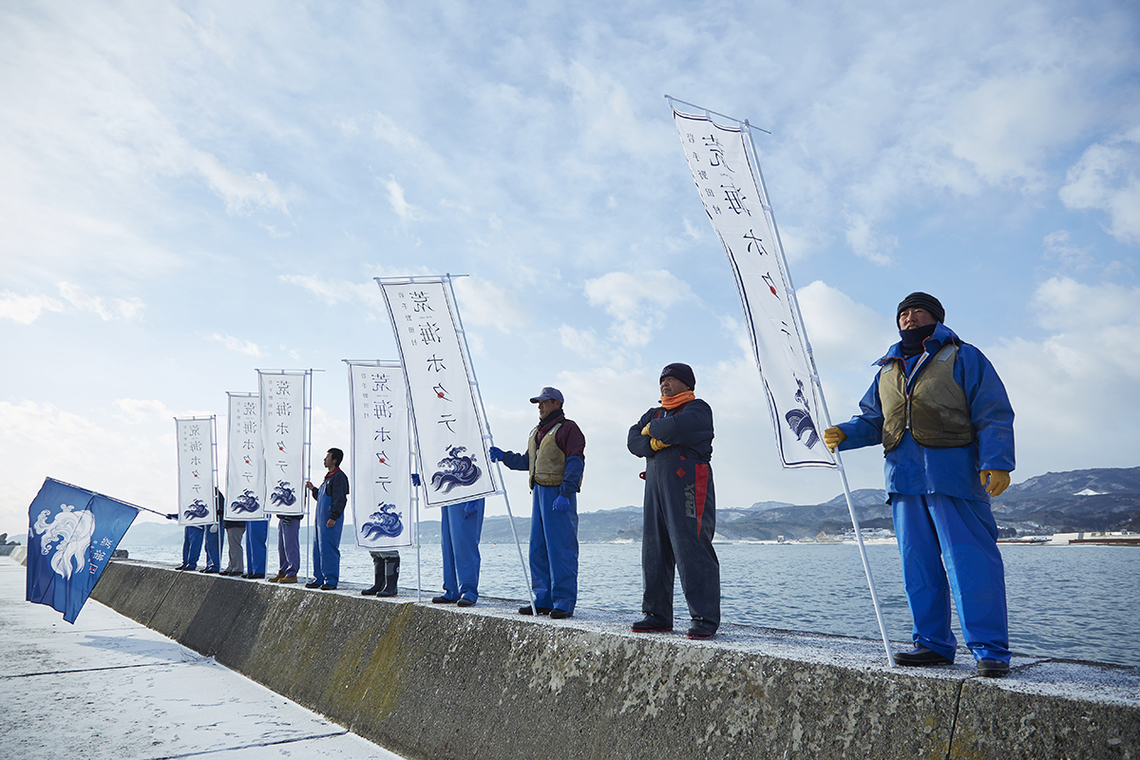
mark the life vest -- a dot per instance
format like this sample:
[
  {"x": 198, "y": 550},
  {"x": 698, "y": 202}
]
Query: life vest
[
  {"x": 935, "y": 411},
  {"x": 547, "y": 461}
]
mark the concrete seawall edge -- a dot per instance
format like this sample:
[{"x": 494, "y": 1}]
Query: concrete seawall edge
[{"x": 440, "y": 682}]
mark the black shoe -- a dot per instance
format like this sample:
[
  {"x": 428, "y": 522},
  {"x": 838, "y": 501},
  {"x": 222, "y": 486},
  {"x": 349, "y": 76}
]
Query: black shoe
[
  {"x": 651, "y": 624},
  {"x": 370, "y": 591},
  {"x": 699, "y": 632},
  {"x": 313, "y": 584},
  {"x": 328, "y": 587},
  {"x": 920, "y": 656},
  {"x": 245, "y": 575},
  {"x": 180, "y": 567},
  {"x": 442, "y": 600},
  {"x": 526, "y": 610},
  {"x": 209, "y": 570},
  {"x": 993, "y": 668},
  {"x": 557, "y": 614},
  {"x": 465, "y": 602},
  {"x": 256, "y": 576}
]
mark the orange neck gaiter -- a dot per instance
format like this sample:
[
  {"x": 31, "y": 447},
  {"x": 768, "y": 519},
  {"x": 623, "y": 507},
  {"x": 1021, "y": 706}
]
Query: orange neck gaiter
[{"x": 673, "y": 402}]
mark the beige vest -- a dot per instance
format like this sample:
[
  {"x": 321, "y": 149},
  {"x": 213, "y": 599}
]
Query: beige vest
[
  {"x": 936, "y": 412},
  {"x": 548, "y": 463}
]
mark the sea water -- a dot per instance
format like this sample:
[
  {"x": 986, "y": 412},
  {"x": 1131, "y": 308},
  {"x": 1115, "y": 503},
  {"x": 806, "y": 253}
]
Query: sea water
[{"x": 1064, "y": 601}]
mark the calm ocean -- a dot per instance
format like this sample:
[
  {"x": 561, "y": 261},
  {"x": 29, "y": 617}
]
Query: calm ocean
[{"x": 1064, "y": 601}]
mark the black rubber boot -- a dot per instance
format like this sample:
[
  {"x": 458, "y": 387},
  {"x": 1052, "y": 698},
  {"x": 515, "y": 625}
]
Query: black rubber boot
[
  {"x": 378, "y": 580},
  {"x": 392, "y": 575}
]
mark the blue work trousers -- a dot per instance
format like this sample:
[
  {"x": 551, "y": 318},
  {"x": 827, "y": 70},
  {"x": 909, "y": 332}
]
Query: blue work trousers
[
  {"x": 679, "y": 524},
  {"x": 288, "y": 547},
  {"x": 460, "y": 538},
  {"x": 213, "y": 543},
  {"x": 949, "y": 547},
  {"x": 192, "y": 545},
  {"x": 326, "y": 543},
  {"x": 256, "y": 546},
  {"x": 553, "y": 551}
]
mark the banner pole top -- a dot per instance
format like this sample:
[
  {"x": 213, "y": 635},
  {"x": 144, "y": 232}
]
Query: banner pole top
[{"x": 707, "y": 111}]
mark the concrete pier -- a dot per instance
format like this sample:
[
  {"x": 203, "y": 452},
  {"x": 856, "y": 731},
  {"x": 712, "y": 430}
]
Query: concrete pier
[{"x": 442, "y": 682}]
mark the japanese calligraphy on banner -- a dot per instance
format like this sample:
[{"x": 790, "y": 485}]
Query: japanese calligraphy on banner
[
  {"x": 195, "y": 470},
  {"x": 733, "y": 194},
  {"x": 450, "y": 432},
  {"x": 245, "y": 462},
  {"x": 283, "y": 427},
  {"x": 382, "y": 453}
]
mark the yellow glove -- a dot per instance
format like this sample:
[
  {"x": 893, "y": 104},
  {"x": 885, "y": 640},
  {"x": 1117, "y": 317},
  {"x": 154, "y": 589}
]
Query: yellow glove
[
  {"x": 645, "y": 430},
  {"x": 995, "y": 481},
  {"x": 832, "y": 437},
  {"x": 658, "y": 445}
]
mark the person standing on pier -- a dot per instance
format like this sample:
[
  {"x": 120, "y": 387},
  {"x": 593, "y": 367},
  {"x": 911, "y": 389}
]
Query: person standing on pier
[
  {"x": 461, "y": 526},
  {"x": 556, "y": 459},
  {"x": 675, "y": 439},
  {"x": 942, "y": 414},
  {"x": 332, "y": 498}
]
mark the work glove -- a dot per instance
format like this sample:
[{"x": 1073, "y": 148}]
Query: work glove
[
  {"x": 645, "y": 430},
  {"x": 657, "y": 444},
  {"x": 561, "y": 504},
  {"x": 416, "y": 479},
  {"x": 832, "y": 437},
  {"x": 469, "y": 509},
  {"x": 496, "y": 454},
  {"x": 995, "y": 481}
]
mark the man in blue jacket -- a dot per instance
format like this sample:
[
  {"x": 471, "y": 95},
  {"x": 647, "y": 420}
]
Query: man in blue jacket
[
  {"x": 942, "y": 414},
  {"x": 556, "y": 459},
  {"x": 332, "y": 498},
  {"x": 679, "y": 517}
]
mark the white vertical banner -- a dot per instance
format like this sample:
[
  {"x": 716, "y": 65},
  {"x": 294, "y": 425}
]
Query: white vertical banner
[
  {"x": 450, "y": 433},
  {"x": 732, "y": 190},
  {"x": 245, "y": 462},
  {"x": 195, "y": 437},
  {"x": 283, "y": 426},
  {"x": 382, "y": 453}
]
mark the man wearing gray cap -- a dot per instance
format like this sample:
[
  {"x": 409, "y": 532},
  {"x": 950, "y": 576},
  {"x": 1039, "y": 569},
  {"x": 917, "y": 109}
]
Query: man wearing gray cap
[
  {"x": 942, "y": 414},
  {"x": 675, "y": 439},
  {"x": 555, "y": 458}
]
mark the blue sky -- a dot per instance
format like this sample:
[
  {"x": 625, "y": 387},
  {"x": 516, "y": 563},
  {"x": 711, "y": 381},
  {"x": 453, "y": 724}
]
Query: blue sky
[{"x": 190, "y": 191}]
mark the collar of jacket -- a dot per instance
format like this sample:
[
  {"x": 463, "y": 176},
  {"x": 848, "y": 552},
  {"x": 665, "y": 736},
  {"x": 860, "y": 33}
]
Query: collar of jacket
[{"x": 942, "y": 335}]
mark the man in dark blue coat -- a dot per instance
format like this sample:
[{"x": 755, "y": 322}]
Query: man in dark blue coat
[
  {"x": 332, "y": 498},
  {"x": 945, "y": 422},
  {"x": 680, "y": 507}
]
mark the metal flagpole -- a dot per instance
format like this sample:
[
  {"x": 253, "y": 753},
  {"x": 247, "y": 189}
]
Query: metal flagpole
[
  {"x": 747, "y": 131},
  {"x": 498, "y": 470}
]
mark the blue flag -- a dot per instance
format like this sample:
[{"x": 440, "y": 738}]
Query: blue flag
[{"x": 71, "y": 535}]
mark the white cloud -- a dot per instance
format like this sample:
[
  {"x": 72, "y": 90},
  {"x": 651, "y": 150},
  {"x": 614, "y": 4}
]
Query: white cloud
[
  {"x": 867, "y": 242},
  {"x": 247, "y": 347},
  {"x": 117, "y": 308},
  {"x": 406, "y": 211},
  {"x": 1107, "y": 179},
  {"x": 638, "y": 303},
  {"x": 1059, "y": 246},
  {"x": 26, "y": 309},
  {"x": 486, "y": 304},
  {"x": 1074, "y": 391},
  {"x": 242, "y": 192}
]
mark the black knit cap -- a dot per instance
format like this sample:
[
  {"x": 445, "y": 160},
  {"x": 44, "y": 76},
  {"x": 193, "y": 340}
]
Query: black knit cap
[
  {"x": 682, "y": 372},
  {"x": 922, "y": 300}
]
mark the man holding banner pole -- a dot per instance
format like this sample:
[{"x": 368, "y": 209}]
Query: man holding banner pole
[
  {"x": 556, "y": 459},
  {"x": 942, "y": 414}
]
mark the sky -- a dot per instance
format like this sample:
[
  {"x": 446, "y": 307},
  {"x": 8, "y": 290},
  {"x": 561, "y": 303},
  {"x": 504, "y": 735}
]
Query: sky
[{"x": 190, "y": 191}]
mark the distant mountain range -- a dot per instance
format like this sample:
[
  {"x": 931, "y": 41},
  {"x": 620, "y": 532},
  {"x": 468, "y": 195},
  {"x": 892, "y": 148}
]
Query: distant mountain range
[{"x": 1056, "y": 502}]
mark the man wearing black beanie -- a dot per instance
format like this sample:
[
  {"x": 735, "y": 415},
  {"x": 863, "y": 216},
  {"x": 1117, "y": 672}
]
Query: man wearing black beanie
[
  {"x": 942, "y": 414},
  {"x": 679, "y": 513}
]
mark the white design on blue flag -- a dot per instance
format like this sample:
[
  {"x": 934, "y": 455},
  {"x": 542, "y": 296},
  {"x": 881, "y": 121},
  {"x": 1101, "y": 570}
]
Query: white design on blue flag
[
  {"x": 73, "y": 530},
  {"x": 72, "y": 533},
  {"x": 736, "y": 202}
]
